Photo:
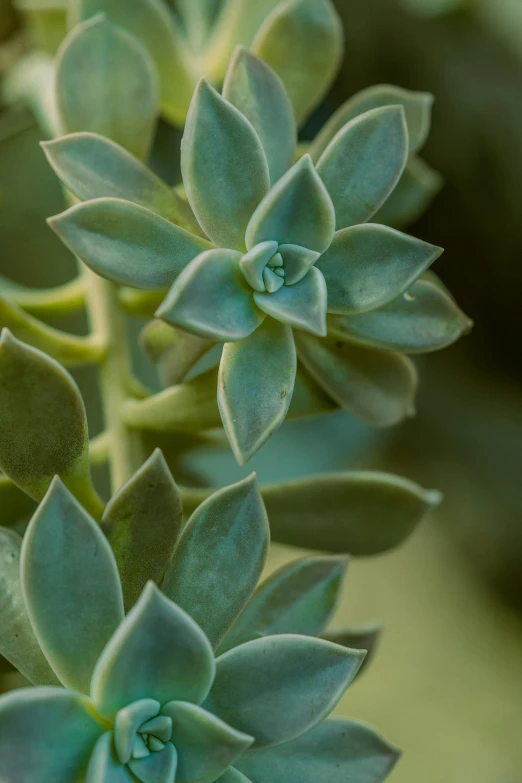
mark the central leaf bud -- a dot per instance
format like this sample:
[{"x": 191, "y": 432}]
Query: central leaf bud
[
  {"x": 143, "y": 741},
  {"x": 268, "y": 265}
]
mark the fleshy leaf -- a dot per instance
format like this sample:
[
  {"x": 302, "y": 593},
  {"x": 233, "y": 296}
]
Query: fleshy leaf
[
  {"x": 256, "y": 90},
  {"x": 414, "y": 193},
  {"x": 15, "y": 504},
  {"x": 255, "y": 386},
  {"x": 103, "y": 764},
  {"x": 220, "y": 557},
  {"x": 233, "y": 775},
  {"x": 296, "y": 211},
  {"x": 76, "y": 607},
  {"x": 253, "y": 264},
  {"x": 361, "y": 638},
  {"x": 225, "y": 171},
  {"x": 126, "y": 243},
  {"x": 363, "y": 163},
  {"x": 159, "y": 767},
  {"x": 143, "y": 523},
  {"x": 297, "y": 261},
  {"x": 158, "y": 652},
  {"x": 302, "y": 306},
  {"x": 173, "y": 351},
  {"x": 122, "y": 107},
  {"x": 338, "y": 749},
  {"x": 212, "y": 299},
  {"x": 369, "y": 266},
  {"x": 128, "y": 721},
  {"x": 206, "y": 745}
]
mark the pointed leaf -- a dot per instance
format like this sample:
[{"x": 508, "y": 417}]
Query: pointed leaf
[
  {"x": 233, "y": 775},
  {"x": 253, "y": 264},
  {"x": 308, "y": 399},
  {"x": 302, "y": 305},
  {"x": 220, "y": 557},
  {"x": 159, "y": 767},
  {"x": 122, "y": 107},
  {"x": 364, "y": 162},
  {"x": 255, "y": 385},
  {"x": 297, "y": 261},
  {"x": 158, "y": 652},
  {"x": 365, "y": 637},
  {"x": 128, "y": 721},
  {"x": 126, "y": 243},
  {"x": 103, "y": 764},
  {"x": 412, "y": 196},
  {"x": 173, "y": 351},
  {"x": 224, "y": 167},
  {"x": 278, "y": 687}
]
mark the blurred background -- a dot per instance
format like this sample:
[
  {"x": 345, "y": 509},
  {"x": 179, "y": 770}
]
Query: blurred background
[{"x": 446, "y": 683}]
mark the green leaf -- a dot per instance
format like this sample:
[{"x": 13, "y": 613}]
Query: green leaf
[
  {"x": 143, "y": 523},
  {"x": 206, "y": 746},
  {"x": 158, "y": 652},
  {"x": 338, "y": 749},
  {"x": 15, "y": 504},
  {"x": 46, "y": 734},
  {"x": 278, "y": 687},
  {"x": 128, "y": 721},
  {"x": 256, "y": 90},
  {"x": 212, "y": 299},
  {"x": 296, "y": 211},
  {"x": 173, "y": 351},
  {"x": 220, "y": 557},
  {"x": 370, "y": 265},
  {"x": 255, "y": 385},
  {"x": 414, "y": 193},
  {"x": 299, "y": 598},
  {"x": 75, "y": 607},
  {"x": 103, "y": 764},
  {"x": 302, "y": 306},
  {"x": 364, "y": 162},
  {"x": 308, "y": 399},
  {"x": 233, "y": 775},
  {"x": 126, "y": 243},
  {"x": 297, "y": 261},
  {"x": 105, "y": 83},
  {"x": 303, "y": 42},
  {"x": 43, "y": 424},
  {"x": 365, "y": 637},
  {"x": 225, "y": 171},
  {"x": 158, "y": 767}
]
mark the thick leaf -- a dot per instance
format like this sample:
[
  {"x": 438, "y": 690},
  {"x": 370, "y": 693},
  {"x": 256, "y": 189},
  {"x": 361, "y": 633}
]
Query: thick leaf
[
  {"x": 278, "y": 687},
  {"x": 365, "y": 637},
  {"x": 158, "y": 767},
  {"x": 299, "y": 598},
  {"x": 364, "y": 162},
  {"x": 377, "y": 386},
  {"x": 16, "y": 505},
  {"x": 105, "y": 83},
  {"x": 220, "y": 557},
  {"x": 255, "y": 386},
  {"x": 225, "y": 171},
  {"x": 414, "y": 193},
  {"x": 253, "y": 88},
  {"x": 302, "y": 306},
  {"x": 308, "y": 399},
  {"x": 296, "y": 211},
  {"x": 297, "y": 261},
  {"x": 303, "y": 42},
  {"x": 233, "y": 775},
  {"x": 46, "y": 734},
  {"x": 143, "y": 523},
  {"x": 337, "y": 750},
  {"x": 103, "y": 764},
  {"x": 158, "y": 652},
  {"x": 128, "y": 721},
  {"x": 212, "y": 299},
  {"x": 126, "y": 243},
  {"x": 173, "y": 351},
  {"x": 76, "y": 606}
]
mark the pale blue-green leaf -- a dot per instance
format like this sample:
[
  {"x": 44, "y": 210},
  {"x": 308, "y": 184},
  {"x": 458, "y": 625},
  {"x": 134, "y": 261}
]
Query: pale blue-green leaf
[
  {"x": 297, "y": 261},
  {"x": 128, "y": 721},
  {"x": 412, "y": 196},
  {"x": 224, "y": 167},
  {"x": 299, "y": 598},
  {"x": 296, "y": 211},
  {"x": 212, "y": 299},
  {"x": 278, "y": 687},
  {"x": 17, "y": 640},
  {"x": 206, "y": 745},
  {"x": 370, "y": 265},
  {"x": 46, "y": 734},
  {"x": 159, "y": 767},
  {"x": 303, "y": 42},
  {"x": 104, "y": 766},
  {"x": 220, "y": 557},
  {"x": 255, "y": 385},
  {"x": 257, "y": 91},
  {"x": 158, "y": 652},
  {"x": 198, "y": 17},
  {"x": 123, "y": 106},
  {"x": 364, "y": 637},
  {"x": 337, "y": 750},
  {"x": 76, "y": 607},
  {"x": 143, "y": 523},
  {"x": 233, "y": 775},
  {"x": 308, "y": 399},
  {"x": 302, "y": 306},
  {"x": 173, "y": 351},
  {"x": 364, "y": 162},
  {"x": 253, "y": 264}
]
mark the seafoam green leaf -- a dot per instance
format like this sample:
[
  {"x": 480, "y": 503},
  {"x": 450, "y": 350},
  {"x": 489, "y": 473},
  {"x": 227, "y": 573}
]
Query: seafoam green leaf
[
  {"x": 157, "y": 767},
  {"x": 338, "y": 749},
  {"x": 173, "y": 351},
  {"x": 256, "y": 90},
  {"x": 61, "y": 730},
  {"x": 126, "y": 243},
  {"x": 143, "y": 523},
  {"x": 122, "y": 107},
  {"x": 278, "y": 687},
  {"x": 370, "y": 265},
  {"x": 414, "y": 193},
  {"x": 76, "y": 607},
  {"x": 299, "y": 598},
  {"x": 255, "y": 385},
  {"x": 364, "y": 637},
  {"x": 212, "y": 299},
  {"x": 103, "y": 764},
  {"x": 303, "y": 42},
  {"x": 224, "y": 167},
  {"x": 308, "y": 399},
  {"x": 158, "y": 652},
  {"x": 220, "y": 557},
  {"x": 377, "y": 386},
  {"x": 302, "y": 306},
  {"x": 364, "y": 162},
  {"x": 233, "y": 775}
]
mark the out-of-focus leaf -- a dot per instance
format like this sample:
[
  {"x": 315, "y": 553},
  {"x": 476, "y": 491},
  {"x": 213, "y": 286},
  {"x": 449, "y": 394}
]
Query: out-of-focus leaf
[
  {"x": 361, "y": 638},
  {"x": 15, "y": 505},
  {"x": 413, "y": 194},
  {"x": 44, "y": 302},
  {"x": 173, "y": 351},
  {"x": 142, "y": 303},
  {"x": 308, "y": 399}
]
